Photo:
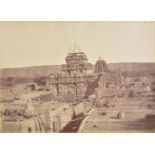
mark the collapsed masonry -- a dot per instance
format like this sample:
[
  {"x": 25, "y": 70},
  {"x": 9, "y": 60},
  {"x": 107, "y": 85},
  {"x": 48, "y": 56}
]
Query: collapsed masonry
[
  {"x": 112, "y": 86},
  {"x": 78, "y": 80}
]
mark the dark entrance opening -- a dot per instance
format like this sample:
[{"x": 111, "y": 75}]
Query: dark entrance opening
[{"x": 29, "y": 129}]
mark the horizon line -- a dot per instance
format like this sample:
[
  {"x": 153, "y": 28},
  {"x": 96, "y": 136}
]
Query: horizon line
[{"x": 15, "y": 67}]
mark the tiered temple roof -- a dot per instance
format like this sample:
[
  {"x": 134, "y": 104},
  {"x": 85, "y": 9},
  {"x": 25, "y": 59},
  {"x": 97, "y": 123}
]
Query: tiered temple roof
[
  {"x": 76, "y": 61},
  {"x": 101, "y": 66},
  {"x": 76, "y": 56}
]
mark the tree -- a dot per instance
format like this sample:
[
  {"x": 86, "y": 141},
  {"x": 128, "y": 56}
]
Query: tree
[{"x": 41, "y": 81}]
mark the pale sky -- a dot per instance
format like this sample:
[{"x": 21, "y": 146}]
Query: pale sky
[{"x": 48, "y": 43}]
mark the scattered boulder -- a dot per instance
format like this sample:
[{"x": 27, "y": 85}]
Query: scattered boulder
[{"x": 120, "y": 115}]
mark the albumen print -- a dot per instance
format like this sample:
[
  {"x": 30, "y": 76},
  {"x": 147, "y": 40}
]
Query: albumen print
[{"x": 77, "y": 77}]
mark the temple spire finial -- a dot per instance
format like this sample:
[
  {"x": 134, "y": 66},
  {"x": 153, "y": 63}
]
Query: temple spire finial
[{"x": 100, "y": 58}]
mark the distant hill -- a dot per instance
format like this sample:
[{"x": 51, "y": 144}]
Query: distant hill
[
  {"x": 133, "y": 67},
  {"x": 36, "y": 71},
  {"x": 30, "y": 71}
]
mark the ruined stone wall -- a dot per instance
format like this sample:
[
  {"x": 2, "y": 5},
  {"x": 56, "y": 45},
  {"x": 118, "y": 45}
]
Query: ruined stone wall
[{"x": 69, "y": 89}]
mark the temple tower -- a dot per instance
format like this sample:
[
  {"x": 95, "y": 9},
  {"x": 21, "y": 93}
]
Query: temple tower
[
  {"x": 101, "y": 66},
  {"x": 76, "y": 62}
]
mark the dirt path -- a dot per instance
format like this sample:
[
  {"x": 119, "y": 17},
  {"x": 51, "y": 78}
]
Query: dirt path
[{"x": 74, "y": 125}]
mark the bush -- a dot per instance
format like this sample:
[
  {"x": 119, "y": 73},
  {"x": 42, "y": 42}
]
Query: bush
[
  {"x": 131, "y": 94},
  {"x": 41, "y": 81}
]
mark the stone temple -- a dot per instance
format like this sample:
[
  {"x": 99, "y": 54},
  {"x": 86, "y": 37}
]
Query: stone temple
[
  {"x": 101, "y": 66},
  {"x": 76, "y": 62},
  {"x": 75, "y": 74}
]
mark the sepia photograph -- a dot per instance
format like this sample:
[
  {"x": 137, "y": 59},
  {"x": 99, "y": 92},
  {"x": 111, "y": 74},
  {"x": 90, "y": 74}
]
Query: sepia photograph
[{"x": 77, "y": 77}]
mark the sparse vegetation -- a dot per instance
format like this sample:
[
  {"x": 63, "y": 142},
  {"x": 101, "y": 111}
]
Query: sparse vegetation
[
  {"x": 131, "y": 94},
  {"x": 40, "y": 82}
]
